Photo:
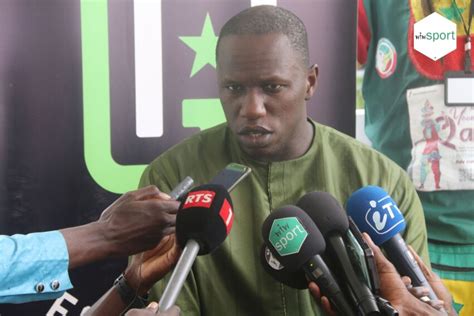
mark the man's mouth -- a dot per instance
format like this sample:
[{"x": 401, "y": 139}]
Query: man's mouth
[
  {"x": 254, "y": 136},
  {"x": 253, "y": 131}
]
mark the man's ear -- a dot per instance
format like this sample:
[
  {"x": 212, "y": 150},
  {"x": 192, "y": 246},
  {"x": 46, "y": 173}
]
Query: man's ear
[{"x": 311, "y": 81}]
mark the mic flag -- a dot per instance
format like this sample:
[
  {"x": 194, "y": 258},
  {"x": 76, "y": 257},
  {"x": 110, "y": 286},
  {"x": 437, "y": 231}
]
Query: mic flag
[
  {"x": 375, "y": 212},
  {"x": 206, "y": 216},
  {"x": 292, "y": 236},
  {"x": 203, "y": 222}
]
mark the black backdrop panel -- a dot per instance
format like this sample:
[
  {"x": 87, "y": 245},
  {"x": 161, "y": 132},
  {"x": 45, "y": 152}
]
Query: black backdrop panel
[{"x": 45, "y": 183}]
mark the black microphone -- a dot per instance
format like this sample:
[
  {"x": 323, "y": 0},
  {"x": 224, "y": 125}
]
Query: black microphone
[
  {"x": 294, "y": 279},
  {"x": 377, "y": 214},
  {"x": 331, "y": 219},
  {"x": 296, "y": 242},
  {"x": 203, "y": 221}
]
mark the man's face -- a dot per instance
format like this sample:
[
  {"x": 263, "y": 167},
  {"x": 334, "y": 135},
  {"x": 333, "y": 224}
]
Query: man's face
[{"x": 263, "y": 88}]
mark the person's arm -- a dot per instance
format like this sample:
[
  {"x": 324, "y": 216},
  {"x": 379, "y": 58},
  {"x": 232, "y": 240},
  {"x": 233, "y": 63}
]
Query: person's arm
[
  {"x": 33, "y": 267},
  {"x": 140, "y": 275},
  {"x": 133, "y": 223}
]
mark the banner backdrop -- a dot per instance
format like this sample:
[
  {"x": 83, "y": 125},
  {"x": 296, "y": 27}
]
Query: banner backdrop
[{"x": 92, "y": 90}]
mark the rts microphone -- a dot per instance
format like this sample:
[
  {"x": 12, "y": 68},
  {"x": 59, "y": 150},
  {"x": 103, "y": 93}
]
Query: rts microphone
[
  {"x": 331, "y": 219},
  {"x": 203, "y": 221},
  {"x": 375, "y": 213},
  {"x": 296, "y": 242}
]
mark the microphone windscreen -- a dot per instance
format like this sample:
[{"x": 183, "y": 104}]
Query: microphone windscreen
[
  {"x": 325, "y": 211},
  {"x": 375, "y": 213},
  {"x": 206, "y": 216},
  {"x": 292, "y": 236},
  {"x": 295, "y": 279}
]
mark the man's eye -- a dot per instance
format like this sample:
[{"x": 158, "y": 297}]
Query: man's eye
[
  {"x": 272, "y": 87},
  {"x": 234, "y": 87}
]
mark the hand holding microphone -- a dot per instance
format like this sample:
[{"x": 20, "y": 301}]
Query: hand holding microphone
[
  {"x": 393, "y": 288},
  {"x": 375, "y": 213},
  {"x": 333, "y": 223},
  {"x": 296, "y": 242},
  {"x": 150, "y": 266},
  {"x": 203, "y": 222},
  {"x": 437, "y": 285}
]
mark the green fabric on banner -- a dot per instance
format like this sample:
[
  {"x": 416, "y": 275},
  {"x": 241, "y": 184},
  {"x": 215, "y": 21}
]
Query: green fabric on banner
[{"x": 446, "y": 258}]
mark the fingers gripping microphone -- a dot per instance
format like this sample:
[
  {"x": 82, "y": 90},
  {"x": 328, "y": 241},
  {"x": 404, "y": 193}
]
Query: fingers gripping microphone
[
  {"x": 296, "y": 242},
  {"x": 331, "y": 219},
  {"x": 375, "y": 213},
  {"x": 203, "y": 222}
]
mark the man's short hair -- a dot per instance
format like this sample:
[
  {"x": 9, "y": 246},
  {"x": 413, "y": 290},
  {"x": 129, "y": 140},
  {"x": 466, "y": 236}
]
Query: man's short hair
[{"x": 266, "y": 19}]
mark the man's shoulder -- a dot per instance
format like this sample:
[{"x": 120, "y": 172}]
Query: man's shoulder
[
  {"x": 350, "y": 147},
  {"x": 191, "y": 157},
  {"x": 340, "y": 141},
  {"x": 204, "y": 142}
]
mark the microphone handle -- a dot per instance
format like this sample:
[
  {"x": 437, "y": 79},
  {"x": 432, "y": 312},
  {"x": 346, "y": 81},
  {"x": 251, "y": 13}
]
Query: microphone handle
[
  {"x": 365, "y": 300},
  {"x": 406, "y": 265},
  {"x": 179, "y": 275},
  {"x": 317, "y": 271},
  {"x": 181, "y": 188}
]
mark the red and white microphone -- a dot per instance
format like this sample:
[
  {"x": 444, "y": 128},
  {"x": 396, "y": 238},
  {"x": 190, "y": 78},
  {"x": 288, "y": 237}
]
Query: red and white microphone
[{"x": 203, "y": 222}]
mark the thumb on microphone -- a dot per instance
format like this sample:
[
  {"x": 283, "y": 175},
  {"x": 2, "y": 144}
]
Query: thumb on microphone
[
  {"x": 172, "y": 311},
  {"x": 323, "y": 300},
  {"x": 384, "y": 266},
  {"x": 153, "y": 306}
]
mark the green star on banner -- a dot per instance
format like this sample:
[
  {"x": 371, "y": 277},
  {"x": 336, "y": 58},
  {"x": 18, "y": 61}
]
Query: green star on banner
[
  {"x": 457, "y": 306},
  {"x": 452, "y": 13},
  {"x": 204, "y": 46}
]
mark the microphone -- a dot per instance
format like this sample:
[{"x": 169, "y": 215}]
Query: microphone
[
  {"x": 296, "y": 242},
  {"x": 331, "y": 219},
  {"x": 203, "y": 221},
  {"x": 294, "y": 279},
  {"x": 375, "y": 213}
]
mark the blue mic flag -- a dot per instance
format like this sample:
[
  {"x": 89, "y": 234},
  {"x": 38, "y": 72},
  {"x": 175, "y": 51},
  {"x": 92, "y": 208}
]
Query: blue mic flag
[{"x": 375, "y": 213}]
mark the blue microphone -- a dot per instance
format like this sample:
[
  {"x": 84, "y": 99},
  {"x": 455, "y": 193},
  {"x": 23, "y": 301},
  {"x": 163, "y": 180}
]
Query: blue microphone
[{"x": 377, "y": 214}]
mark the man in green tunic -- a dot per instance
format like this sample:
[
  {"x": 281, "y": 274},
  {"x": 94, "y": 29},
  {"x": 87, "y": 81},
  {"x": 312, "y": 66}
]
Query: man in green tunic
[{"x": 264, "y": 82}]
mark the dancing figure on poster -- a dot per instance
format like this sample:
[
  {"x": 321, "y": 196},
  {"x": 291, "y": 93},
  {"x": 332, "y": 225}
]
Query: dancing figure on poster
[{"x": 432, "y": 129}]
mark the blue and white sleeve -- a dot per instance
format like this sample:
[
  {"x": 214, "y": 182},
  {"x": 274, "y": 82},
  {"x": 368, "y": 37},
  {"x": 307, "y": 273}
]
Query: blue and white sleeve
[{"x": 33, "y": 267}]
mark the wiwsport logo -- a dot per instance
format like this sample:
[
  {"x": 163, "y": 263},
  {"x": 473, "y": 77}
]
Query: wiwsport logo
[
  {"x": 434, "y": 36},
  {"x": 287, "y": 235}
]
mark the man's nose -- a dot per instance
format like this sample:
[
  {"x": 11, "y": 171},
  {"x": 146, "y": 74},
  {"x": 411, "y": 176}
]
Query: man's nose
[{"x": 253, "y": 106}]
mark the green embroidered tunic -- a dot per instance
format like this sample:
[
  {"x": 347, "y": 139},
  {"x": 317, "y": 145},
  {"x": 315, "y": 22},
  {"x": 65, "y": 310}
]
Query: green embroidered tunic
[{"x": 231, "y": 281}]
